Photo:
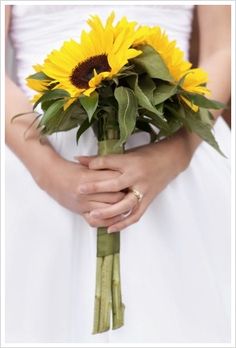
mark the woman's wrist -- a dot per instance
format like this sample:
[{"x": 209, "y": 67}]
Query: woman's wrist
[
  {"x": 44, "y": 169},
  {"x": 182, "y": 147}
]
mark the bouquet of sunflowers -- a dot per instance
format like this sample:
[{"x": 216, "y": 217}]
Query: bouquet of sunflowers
[{"x": 119, "y": 79}]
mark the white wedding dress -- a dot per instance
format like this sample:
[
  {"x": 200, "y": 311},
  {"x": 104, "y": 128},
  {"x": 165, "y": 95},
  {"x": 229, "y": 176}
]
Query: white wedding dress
[{"x": 175, "y": 261}]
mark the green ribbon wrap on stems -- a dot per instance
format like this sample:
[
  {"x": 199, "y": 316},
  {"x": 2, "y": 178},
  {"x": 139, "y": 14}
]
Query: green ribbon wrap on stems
[
  {"x": 108, "y": 286},
  {"x": 107, "y": 244}
]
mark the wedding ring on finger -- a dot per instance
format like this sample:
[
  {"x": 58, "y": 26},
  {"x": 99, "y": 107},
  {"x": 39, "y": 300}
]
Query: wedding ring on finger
[{"x": 138, "y": 194}]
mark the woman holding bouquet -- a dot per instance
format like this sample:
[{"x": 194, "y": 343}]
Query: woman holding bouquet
[{"x": 171, "y": 199}]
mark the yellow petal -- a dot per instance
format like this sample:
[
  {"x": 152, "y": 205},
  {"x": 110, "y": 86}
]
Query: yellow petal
[
  {"x": 38, "y": 85},
  {"x": 190, "y": 104},
  {"x": 89, "y": 91},
  {"x": 68, "y": 103}
]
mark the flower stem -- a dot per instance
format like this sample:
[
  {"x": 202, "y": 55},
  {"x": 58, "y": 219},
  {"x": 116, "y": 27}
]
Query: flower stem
[
  {"x": 108, "y": 302},
  {"x": 118, "y": 307},
  {"x": 106, "y": 295},
  {"x": 97, "y": 295}
]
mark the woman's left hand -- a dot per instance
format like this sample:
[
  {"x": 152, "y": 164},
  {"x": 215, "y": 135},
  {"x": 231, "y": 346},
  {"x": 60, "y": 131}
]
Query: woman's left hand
[{"x": 147, "y": 169}]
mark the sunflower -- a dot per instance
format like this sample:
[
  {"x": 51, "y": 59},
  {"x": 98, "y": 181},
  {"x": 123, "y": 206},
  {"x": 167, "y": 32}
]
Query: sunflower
[
  {"x": 172, "y": 56},
  {"x": 40, "y": 86},
  {"x": 194, "y": 79},
  {"x": 80, "y": 67}
]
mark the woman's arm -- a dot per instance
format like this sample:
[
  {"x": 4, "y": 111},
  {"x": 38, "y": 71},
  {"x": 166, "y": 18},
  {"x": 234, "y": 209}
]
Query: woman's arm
[
  {"x": 31, "y": 151},
  {"x": 215, "y": 58},
  {"x": 150, "y": 169},
  {"x": 215, "y": 49},
  {"x": 58, "y": 177}
]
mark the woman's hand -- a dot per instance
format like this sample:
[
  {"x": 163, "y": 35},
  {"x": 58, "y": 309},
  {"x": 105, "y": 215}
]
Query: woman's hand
[
  {"x": 147, "y": 169},
  {"x": 62, "y": 183}
]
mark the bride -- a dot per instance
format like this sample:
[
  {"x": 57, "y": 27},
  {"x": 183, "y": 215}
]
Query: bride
[{"x": 175, "y": 244}]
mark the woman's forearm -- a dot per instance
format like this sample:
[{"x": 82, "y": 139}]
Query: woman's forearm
[
  {"x": 215, "y": 58},
  {"x": 218, "y": 68},
  {"x": 219, "y": 84},
  {"x": 35, "y": 155}
]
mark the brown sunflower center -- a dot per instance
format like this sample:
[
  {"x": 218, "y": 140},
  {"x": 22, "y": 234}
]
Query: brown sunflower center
[{"x": 84, "y": 71}]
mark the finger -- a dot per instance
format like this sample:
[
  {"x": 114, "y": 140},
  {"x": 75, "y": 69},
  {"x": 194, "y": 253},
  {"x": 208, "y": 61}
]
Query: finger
[
  {"x": 87, "y": 207},
  {"x": 131, "y": 219},
  {"x": 113, "y": 197},
  {"x": 112, "y": 185},
  {"x": 122, "y": 207},
  {"x": 101, "y": 222},
  {"x": 85, "y": 160},
  {"x": 99, "y": 175},
  {"x": 106, "y": 162}
]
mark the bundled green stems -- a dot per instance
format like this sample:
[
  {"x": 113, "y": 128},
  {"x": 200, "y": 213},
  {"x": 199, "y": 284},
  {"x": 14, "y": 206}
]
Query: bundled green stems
[{"x": 108, "y": 301}]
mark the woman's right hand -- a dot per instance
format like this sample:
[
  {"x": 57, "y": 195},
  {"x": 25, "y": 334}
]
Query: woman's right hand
[
  {"x": 62, "y": 183},
  {"x": 58, "y": 177}
]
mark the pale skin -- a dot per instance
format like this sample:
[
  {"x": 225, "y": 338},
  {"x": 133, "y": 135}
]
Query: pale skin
[{"x": 96, "y": 195}]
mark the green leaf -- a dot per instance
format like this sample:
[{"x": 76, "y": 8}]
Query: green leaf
[
  {"x": 126, "y": 71},
  {"x": 204, "y": 131},
  {"x": 52, "y": 95},
  {"x": 152, "y": 119},
  {"x": 152, "y": 63},
  {"x": 143, "y": 99},
  {"x": 89, "y": 103},
  {"x": 206, "y": 116},
  {"x": 83, "y": 127},
  {"x": 71, "y": 118},
  {"x": 160, "y": 108},
  {"x": 204, "y": 102},
  {"x": 164, "y": 92},
  {"x": 127, "y": 111},
  {"x": 194, "y": 123},
  {"x": 39, "y": 76},
  {"x": 148, "y": 86},
  {"x": 52, "y": 111},
  {"x": 174, "y": 125},
  {"x": 45, "y": 105},
  {"x": 64, "y": 120}
]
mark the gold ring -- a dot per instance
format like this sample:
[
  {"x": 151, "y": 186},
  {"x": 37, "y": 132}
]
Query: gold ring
[{"x": 138, "y": 194}]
